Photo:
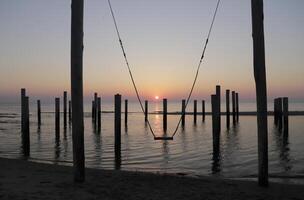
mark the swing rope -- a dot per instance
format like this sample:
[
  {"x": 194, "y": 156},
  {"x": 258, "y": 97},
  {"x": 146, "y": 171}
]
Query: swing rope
[{"x": 195, "y": 78}]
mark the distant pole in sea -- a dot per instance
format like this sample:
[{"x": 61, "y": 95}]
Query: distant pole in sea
[
  {"x": 165, "y": 115},
  {"x": 57, "y": 118},
  {"x": 65, "y": 94},
  {"x": 77, "y": 89},
  {"x": 285, "y": 117},
  {"x": 23, "y": 93},
  {"x": 183, "y": 112},
  {"x": 203, "y": 111},
  {"x": 117, "y": 128},
  {"x": 126, "y": 112},
  {"x": 233, "y": 108},
  {"x": 261, "y": 89},
  {"x": 280, "y": 113},
  {"x": 39, "y": 112},
  {"x": 99, "y": 114},
  {"x": 95, "y": 108},
  {"x": 194, "y": 111},
  {"x": 146, "y": 110},
  {"x": 237, "y": 106},
  {"x": 228, "y": 109},
  {"x": 215, "y": 122},
  {"x": 26, "y": 131},
  {"x": 218, "y": 94}
]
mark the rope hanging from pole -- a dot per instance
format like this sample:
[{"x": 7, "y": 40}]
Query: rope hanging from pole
[{"x": 132, "y": 78}]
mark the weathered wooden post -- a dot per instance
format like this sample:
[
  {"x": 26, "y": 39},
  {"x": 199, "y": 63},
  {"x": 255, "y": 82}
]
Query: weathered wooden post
[
  {"x": 117, "y": 128},
  {"x": 26, "y": 131},
  {"x": 285, "y": 116},
  {"x": 233, "y": 108},
  {"x": 146, "y": 110},
  {"x": 194, "y": 111},
  {"x": 99, "y": 114},
  {"x": 95, "y": 108},
  {"x": 39, "y": 112},
  {"x": 65, "y": 94},
  {"x": 261, "y": 89},
  {"x": 70, "y": 111},
  {"x": 23, "y": 93},
  {"x": 237, "y": 106},
  {"x": 183, "y": 112},
  {"x": 77, "y": 89},
  {"x": 275, "y": 111},
  {"x": 165, "y": 115},
  {"x": 218, "y": 93},
  {"x": 215, "y": 122},
  {"x": 280, "y": 112},
  {"x": 203, "y": 111},
  {"x": 228, "y": 109},
  {"x": 126, "y": 112},
  {"x": 57, "y": 118}
]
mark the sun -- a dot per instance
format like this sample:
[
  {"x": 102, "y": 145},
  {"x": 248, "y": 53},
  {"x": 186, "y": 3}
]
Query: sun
[{"x": 156, "y": 97}]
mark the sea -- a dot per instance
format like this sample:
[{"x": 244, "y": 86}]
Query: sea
[{"x": 189, "y": 153}]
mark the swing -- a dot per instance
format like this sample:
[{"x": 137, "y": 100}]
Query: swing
[{"x": 133, "y": 81}]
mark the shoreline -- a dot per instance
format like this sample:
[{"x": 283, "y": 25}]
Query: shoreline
[{"x": 21, "y": 179}]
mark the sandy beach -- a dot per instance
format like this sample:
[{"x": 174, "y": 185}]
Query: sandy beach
[{"x": 20, "y": 179}]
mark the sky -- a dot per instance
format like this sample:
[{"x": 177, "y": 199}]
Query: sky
[{"x": 163, "y": 41}]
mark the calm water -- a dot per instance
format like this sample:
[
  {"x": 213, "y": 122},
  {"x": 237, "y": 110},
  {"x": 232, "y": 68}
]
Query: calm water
[{"x": 190, "y": 151}]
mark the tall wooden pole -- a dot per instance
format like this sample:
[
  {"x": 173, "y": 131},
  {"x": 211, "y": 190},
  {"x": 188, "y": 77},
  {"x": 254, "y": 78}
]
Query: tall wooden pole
[
  {"x": 146, "y": 110},
  {"x": 215, "y": 122},
  {"x": 261, "y": 88},
  {"x": 70, "y": 111},
  {"x": 228, "y": 109},
  {"x": 95, "y": 108},
  {"x": 39, "y": 112},
  {"x": 117, "y": 128},
  {"x": 233, "y": 108},
  {"x": 26, "y": 131},
  {"x": 126, "y": 112},
  {"x": 65, "y": 94},
  {"x": 203, "y": 111},
  {"x": 165, "y": 115},
  {"x": 57, "y": 118},
  {"x": 237, "y": 106},
  {"x": 218, "y": 94},
  {"x": 23, "y": 93},
  {"x": 194, "y": 111},
  {"x": 183, "y": 112},
  {"x": 99, "y": 114},
  {"x": 285, "y": 116},
  {"x": 77, "y": 89}
]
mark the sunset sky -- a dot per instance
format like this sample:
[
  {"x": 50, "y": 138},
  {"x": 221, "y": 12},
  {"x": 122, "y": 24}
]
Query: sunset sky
[{"x": 163, "y": 40}]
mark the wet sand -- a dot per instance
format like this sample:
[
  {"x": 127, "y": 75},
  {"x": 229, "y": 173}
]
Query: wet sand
[{"x": 20, "y": 179}]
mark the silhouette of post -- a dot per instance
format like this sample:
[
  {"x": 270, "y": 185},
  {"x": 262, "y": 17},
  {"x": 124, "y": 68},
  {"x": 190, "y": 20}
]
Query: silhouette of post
[
  {"x": 65, "y": 94},
  {"x": 126, "y": 112},
  {"x": 57, "y": 118},
  {"x": 183, "y": 112},
  {"x": 165, "y": 115},
  {"x": 26, "y": 131},
  {"x": 39, "y": 112},
  {"x": 237, "y": 106},
  {"x": 228, "y": 109},
  {"x": 146, "y": 110},
  {"x": 99, "y": 113},
  {"x": 77, "y": 89},
  {"x": 194, "y": 111},
  {"x": 117, "y": 128},
  {"x": 70, "y": 111},
  {"x": 95, "y": 108},
  {"x": 203, "y": 111},
  {"x": 285, "y": 116},
  {"x": 280, "y": 112},
  {"x": 275, "y": 111},
  {"x": 215, "y": 122},
  {"x": 261, "y": 89},
  {"x": 218, "y": 93},
  {"x": 233, "y": 108},
  {"x": 23, "y": 93}
]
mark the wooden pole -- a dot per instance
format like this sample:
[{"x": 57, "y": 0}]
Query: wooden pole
[
  {"x": 275, "y": 111},
  {"x": 117, "y": 128},
  {"x": 77, "y": 89},
  {"x": 194, "y": 111},
  {"x": 70, "y": 111},
  {"x": 280, "y": 113},
  {"x": 183, "y": 112},
  {"x": 233, "y": 108},
  {"x": 65, "y": 94},
  {"x": 146, "y": 110},
  {"x": 95, "y": 108},
  {"x": 165, "y": 115},
  {"x": 57, "y": 118},
  {"x": 26, "y": 131},
  {"x": 39, "y": 112},
  {"x": 203, "y": 111},
  {"x": 237, "y": 106},
  {"x": 99, "y": 113},
  {"x": 261, "y": 88},
  {"x": 126, "y": 112},
  {"x": 218, "y": 93},
  {"x": 228, "y": 109},
  {"x": 285, "y": 116},
  {"x": 215, "y": 122},
  {"x": 23, "y": 93}
]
